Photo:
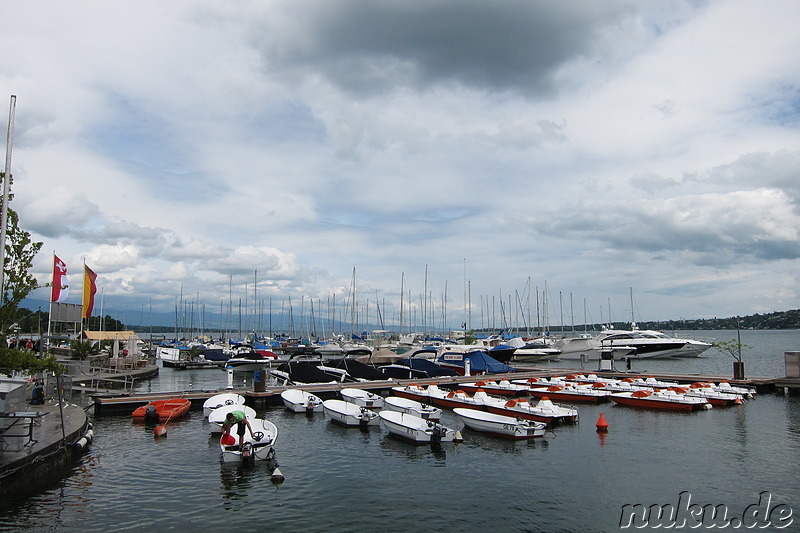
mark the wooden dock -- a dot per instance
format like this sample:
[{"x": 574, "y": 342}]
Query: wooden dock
[{"x": 124, "y": 404}]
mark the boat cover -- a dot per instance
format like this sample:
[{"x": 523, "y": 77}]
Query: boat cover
[
  {"x": 482, "y": 362},
  {"x": 357, "y": 369},
  {"x": 304, "y": 372}
]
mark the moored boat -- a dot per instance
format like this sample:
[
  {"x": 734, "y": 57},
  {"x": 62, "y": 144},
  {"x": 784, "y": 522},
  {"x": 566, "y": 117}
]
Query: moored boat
[
  {"x": 362, "y": 398},
  {"x": 256, "y": 447},
  {"x": 162, "y": 410},
  {"x": 350, "y": 414},
  {"x": 502, "y": 387},
  {"x": 412, "y": 407},
  {"x": 661, "y": 399},
  {"x": 543, "y": 411},
  {"x": 415, "y": 429},
  {"x": 217, "y": 416},
  {"x": 500, "y": 425},
  {"x": 300, "y": 401},
  {"x": 218, "y": 400},
  {"x": 569, "y": 392}
]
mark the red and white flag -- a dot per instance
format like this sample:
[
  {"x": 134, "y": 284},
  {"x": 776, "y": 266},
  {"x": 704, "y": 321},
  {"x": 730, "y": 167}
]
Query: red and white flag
[{"x": 60, "y": 289}]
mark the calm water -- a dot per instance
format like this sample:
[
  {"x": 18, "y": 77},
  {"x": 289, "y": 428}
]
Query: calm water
[{"x": 341, "y": 479}]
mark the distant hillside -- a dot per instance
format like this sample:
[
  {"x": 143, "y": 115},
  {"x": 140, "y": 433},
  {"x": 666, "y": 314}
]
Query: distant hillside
[{"x": 776, "y": 320}]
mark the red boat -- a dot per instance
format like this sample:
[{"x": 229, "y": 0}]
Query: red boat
[
  {"x": 661, "y": 399},
  {"x": 571, "y": 393},
  {"x": 162, "y": 410}
]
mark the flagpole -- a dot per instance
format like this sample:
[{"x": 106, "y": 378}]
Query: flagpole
[{"x": 6, "y": 187}]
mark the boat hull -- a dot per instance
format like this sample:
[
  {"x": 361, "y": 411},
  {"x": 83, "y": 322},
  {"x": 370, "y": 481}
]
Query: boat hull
[
  {"x": 261, "y": 445},
  {"x": 349, "y": 414},
  {"x": 415, "y": 429},
  {"x": 299, "y": 401},
  {"x": 501, "y": 426},
  {"x": 412, "y": 407},
  {"x": 219, "y": 400}
]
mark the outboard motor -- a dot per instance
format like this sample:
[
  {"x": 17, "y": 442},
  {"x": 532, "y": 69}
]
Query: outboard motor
[
  {"x": 248, "y": 457},
  {"x": 151, "y": 414},
  {"x": 437, "y": 432}
]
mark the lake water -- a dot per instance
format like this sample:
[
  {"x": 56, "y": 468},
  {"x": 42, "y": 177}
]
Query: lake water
[{"x": 343, "y": 479}]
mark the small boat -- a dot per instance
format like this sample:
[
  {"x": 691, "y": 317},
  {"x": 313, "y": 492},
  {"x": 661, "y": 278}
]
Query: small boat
[
  {"x": 256, "y": 447},
  {"x": 498, "y": 388},
  {"x": 416, "y": 429},
  {"x": 412, "y": 407},
  {"x": 500, "y": 425},
  {"x": 412, "y": 391},
  {"x": 300, "y": 401},
  {"x": 217, "y": 416},
  {"x": 543, "y": 411},
  {"x": 661, "y": 399},
  {"x": 245, "y": 359},
  {"x": 218, "y": 400},
  {"x": 350, "y": 414},
  {"x": 162, "y": 410},
  {"x": 569, "y": 392},
  {"x": 362, "y": 398},
  {"x": 714, "y": 396},
  {"x": 458, "y": 398}
]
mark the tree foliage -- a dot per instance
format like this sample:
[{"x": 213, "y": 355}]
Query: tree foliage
[
  {"x": 18, "y": 282},
  {"x": 22, "y": 361},
  {"x": 81, "y": 350},
  {"x": 732, "y": 347}
]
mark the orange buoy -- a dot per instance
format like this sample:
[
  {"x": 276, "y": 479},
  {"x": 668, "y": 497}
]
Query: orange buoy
[
  {"x": 160, "y": 431},
  {"x": 602, "y": 425}
]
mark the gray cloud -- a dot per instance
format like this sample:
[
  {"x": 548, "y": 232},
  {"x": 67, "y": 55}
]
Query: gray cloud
[{"x": 375, "y": 47}]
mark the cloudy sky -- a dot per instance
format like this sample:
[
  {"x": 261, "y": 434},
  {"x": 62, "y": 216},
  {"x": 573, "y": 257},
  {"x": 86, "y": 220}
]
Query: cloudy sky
[{"x": 571, "y": 150}]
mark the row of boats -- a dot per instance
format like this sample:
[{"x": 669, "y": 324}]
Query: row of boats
[{"x": 633, "y": 343}]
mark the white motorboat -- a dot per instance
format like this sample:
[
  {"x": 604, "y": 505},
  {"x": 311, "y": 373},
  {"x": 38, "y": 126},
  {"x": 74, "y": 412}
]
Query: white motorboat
[
  {"x": 500, "y": 425},
  {"x": 416, "y": 429},
  {"x": 300, "y": 401},
  {"x": 256, "y": 447},
  {"x": 533, "y": 350},
  {"x": 692, "y": 348},
  {"x": 362, "y": 398},
  {"x": 543, "y": 411},
  {"x": 350, "y": 414},
  {"x": 218, "y": 400},
  {"x": 217, "y": 416},
  {"x": 412, "y": 407}
]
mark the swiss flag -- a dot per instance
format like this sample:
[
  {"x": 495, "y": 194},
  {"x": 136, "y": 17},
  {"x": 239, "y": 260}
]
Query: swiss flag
[{"x": 60, "y": 284}]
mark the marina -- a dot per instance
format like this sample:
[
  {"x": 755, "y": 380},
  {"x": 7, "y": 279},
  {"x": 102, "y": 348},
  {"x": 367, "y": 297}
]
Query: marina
[{"x": 566, "y": 480}]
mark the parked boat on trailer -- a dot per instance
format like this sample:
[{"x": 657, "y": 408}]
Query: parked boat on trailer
[
  {"x": 300, "y": 401},
  {"x": 502, "y": 426},
  {"x": 350, "y": 414},
  {"x": 415, "y": 429}
]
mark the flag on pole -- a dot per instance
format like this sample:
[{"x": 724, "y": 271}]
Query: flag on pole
[
  {"x": 89, "y": 290},
  {"x": 60, "y": 287}
]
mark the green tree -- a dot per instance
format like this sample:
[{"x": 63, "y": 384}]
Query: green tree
[
  {"x": 732, "y": 347},
  {"x": 18, "y": 282},
  {"x": 81, "y": 350}
]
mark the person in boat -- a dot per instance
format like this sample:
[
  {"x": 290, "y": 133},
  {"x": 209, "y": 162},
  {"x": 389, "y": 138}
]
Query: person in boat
[{"x": 238, "y": 418}]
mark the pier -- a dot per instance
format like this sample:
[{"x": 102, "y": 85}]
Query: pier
[{"x": 119, "y": 404}]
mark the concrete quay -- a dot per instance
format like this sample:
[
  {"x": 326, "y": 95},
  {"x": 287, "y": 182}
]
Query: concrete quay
[{"x": 36, "y": 447}]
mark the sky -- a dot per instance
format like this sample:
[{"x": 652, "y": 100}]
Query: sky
[{"x": 490, "y": 160}]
